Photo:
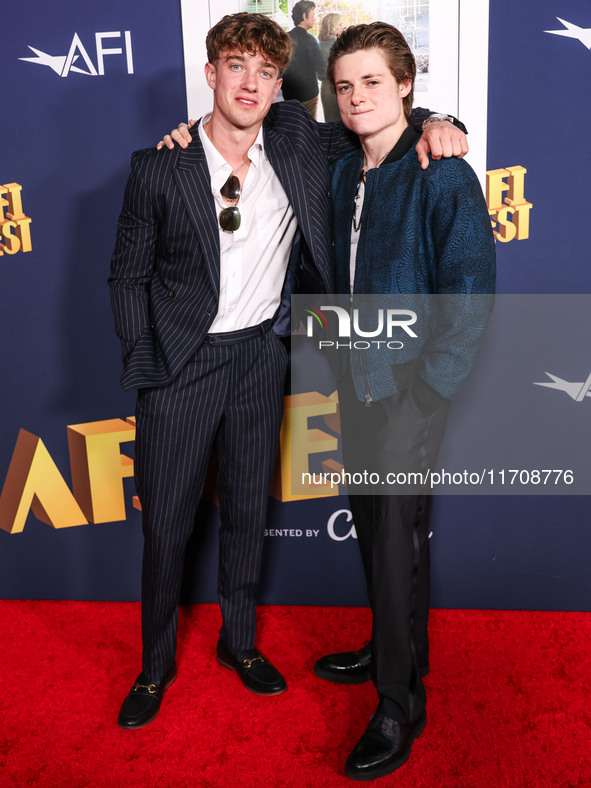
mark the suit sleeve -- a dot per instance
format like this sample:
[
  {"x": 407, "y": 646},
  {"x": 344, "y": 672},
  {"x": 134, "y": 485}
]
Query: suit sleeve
[
  {"x": 133, "y": 259},
  {"x": 420, "y": 114},
  {"x": 336, "y": 140}
]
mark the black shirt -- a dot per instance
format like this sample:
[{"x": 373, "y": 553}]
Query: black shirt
[{"x": 300, "y": 80}]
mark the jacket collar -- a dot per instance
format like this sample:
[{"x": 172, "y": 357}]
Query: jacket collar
[{"x": 408, "y": 139}]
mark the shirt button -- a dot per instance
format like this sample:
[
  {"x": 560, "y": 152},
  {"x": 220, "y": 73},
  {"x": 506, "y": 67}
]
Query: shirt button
[{"x": 171, "y": 294}]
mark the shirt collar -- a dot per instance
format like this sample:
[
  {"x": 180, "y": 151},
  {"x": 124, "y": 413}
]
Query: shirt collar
[
  {"x": 216, "y": 163},
  {"x": 219, "y": 169},
  {"x": 257, "y": 149}
]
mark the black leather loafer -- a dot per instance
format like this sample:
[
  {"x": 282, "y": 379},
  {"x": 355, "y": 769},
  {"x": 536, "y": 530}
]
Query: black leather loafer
[
  {"x": 257, "y": 675},
  {"x": 142, "y": 704},
  {"x": 383, "y": 748},
  {"x": 350, "y": 667}
]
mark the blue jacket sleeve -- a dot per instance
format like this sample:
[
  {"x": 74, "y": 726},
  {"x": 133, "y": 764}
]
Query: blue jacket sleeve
[{"x": 465, "y": 254}]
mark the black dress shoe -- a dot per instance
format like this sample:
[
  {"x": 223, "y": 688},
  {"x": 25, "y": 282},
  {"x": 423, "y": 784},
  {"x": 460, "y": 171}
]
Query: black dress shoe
[
  {"x": 142, "y": 704},
  {"x": 257, "y": 675},
  {"x": 383, "y": 748},
  {"x": 350, "y": 667}
]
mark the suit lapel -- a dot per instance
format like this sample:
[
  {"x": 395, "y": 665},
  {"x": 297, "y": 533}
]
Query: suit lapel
[
  {"x": 290, "y": 171},
  {"x": 192, "y": 178}
]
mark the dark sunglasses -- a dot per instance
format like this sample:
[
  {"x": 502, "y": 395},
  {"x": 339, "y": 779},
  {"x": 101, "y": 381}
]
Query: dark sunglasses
[{"x": 229, "y": 218}]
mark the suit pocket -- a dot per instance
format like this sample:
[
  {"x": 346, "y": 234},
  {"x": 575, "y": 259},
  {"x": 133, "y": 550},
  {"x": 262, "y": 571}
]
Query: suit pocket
[{"x": 129, "y": 347}]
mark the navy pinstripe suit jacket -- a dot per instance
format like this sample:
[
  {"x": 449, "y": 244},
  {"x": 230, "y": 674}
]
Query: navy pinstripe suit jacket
[{"x": 165, "y": 268}]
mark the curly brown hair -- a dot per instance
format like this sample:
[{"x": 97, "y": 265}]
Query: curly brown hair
[
  {"x": 251, "y": 33},
  {"x": 385, "y": 38}
]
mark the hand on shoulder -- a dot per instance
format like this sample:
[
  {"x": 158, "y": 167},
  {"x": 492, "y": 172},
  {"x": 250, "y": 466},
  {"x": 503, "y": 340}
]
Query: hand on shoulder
[
  {"x": 181, "y": 135},
  {"x": 441, "y": 139}
]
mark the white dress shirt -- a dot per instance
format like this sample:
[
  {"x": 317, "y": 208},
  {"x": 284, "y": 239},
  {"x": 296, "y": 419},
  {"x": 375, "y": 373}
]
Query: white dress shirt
[
  {"x": 254, "y": 258},
  {"x": 356, "y": 230}
]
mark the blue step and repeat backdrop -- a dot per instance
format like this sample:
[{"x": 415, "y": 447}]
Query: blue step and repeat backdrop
[{"x": 84, "y": 84}]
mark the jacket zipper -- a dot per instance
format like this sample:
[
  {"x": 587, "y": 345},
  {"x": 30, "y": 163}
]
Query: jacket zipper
[{"x": 368, "y": 397}]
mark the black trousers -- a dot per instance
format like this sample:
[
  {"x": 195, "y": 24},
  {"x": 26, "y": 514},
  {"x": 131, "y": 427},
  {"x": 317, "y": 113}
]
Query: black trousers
[
  {"x": 393, "y": 435},
  {"x": 228, "y": 396}
]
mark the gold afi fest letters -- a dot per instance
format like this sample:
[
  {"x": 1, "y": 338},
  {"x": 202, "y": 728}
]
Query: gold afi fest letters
[
  {"x": 15, "y": 227},
  {"x": 509, "y": 213},
  {"x": 98, "y": 467}
]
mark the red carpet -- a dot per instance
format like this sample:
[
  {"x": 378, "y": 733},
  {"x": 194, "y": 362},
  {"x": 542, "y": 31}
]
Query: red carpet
[{"x": 508, "y": 702}]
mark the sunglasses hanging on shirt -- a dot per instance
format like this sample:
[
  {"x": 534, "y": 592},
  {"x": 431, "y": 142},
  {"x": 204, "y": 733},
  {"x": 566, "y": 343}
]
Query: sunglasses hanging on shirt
[{"x": 230, "y": 217}]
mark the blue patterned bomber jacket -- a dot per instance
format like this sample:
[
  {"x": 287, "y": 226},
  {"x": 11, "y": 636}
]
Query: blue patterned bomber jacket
[{"x": 424, "y": 232}]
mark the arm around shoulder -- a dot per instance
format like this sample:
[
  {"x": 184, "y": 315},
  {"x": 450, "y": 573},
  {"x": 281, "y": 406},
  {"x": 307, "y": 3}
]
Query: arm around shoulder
[{"x": 440, "y": 138}]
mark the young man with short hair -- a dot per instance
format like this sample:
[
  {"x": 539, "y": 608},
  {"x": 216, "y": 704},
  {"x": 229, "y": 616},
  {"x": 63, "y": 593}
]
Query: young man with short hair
[{"x": 429, "y": 234}]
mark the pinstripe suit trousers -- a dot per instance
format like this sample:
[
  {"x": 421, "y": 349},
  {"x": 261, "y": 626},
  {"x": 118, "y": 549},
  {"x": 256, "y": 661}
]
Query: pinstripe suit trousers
[{"x": 228, "y": 396}]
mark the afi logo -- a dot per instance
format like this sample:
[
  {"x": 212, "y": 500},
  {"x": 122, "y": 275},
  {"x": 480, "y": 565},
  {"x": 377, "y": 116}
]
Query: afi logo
[
  {"x": 64, "y": 64},
  {"x": 570, "y": 30},
  {"x": 575, "y": 390}
]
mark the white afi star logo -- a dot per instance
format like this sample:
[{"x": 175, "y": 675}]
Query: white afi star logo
[
  {"x": 63, "y": 64},
  {"x": 583, "y": 34},
  {"x": 577, "y": 391}
]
